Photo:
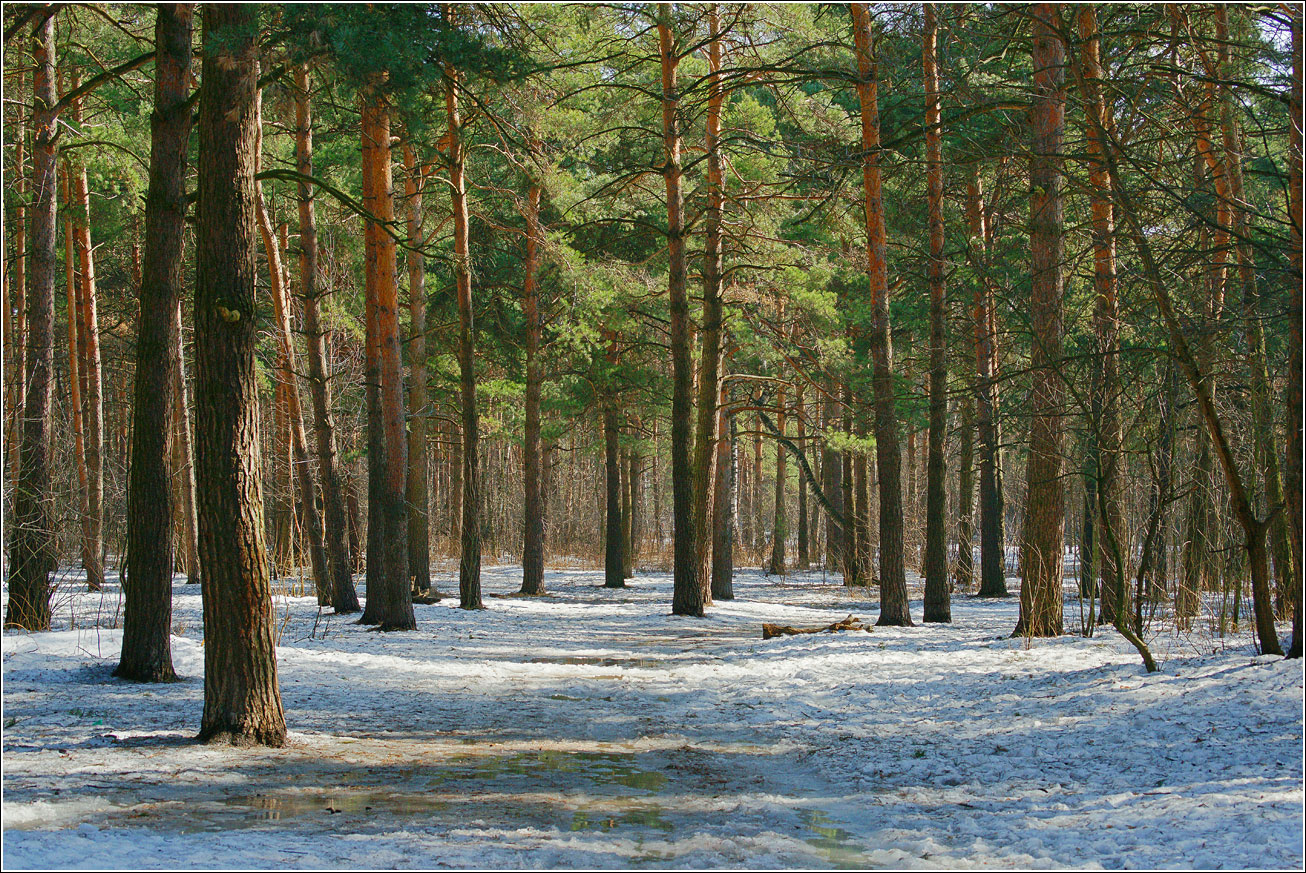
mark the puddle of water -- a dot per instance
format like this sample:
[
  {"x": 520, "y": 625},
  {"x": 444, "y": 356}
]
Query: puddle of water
[
  {"x": 595, "y": 661},
  {"x": 834, "y": 843}
]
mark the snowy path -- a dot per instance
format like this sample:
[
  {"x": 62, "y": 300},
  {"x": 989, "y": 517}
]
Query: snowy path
[{"x": 589, "y": 728}]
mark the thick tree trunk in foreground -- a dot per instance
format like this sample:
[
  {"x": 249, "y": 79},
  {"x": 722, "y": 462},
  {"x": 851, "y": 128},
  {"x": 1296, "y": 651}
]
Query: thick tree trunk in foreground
[
  {"x": 389, "y": 593},
  {"x": 532, "y": 559},
  {"x": 1293, "y": 461},
  {"x": 344, "y": 598},
  {"x": 32, "y": 549},
  {"x": 689, "y": 593},
  {"x": 242, "y": 701},
  {"x": 894, "y": 609},
  {"x": 1040, "y": 588},
  {"x": 417, "y": 488},
  {"x": 469, "y": 563},
  {"x": 938, "y": 606},
  {"x": 147, "y": 578}
]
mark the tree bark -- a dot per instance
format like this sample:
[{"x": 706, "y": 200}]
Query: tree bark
[
  {"x": 389, "y": 592},
  {"x": 964, "y": 572},
  {"x": 147, "y": 578},
  {"x": 723, "y": 569},
  {"x": 804, "y": 549},
  {"x": 533, "y": 545},
  {"x": 710, "y": 359},
  {"x": 344, "y": 599},
  {"x": 780, "y": 524},
  {"x": 32, "y": 549},
  {"x": 689, "y": 596},
  {"x": 290, "y": 392},
  {"x": 88, "y": 354},
  {"x": 613, "y": 575},
  {"x": 469, "y": 564},
  {"x": 831, "y": 480},
  {"x": 1293, "y": 460},
  {"x": 894, "y": 606},
  {"x": 938, "y": 606},
  {"x": 183, "y": 454},
  {"x": 16, "y": 342},
  {"x": 242, "y": 701},
  {"x": 417, "y": 488},
  {"x": 1107, "y": 429},
  {"x": 992, "y": 561}
]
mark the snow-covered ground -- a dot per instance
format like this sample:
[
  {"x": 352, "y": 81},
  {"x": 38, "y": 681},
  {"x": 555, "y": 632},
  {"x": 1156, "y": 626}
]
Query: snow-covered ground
[{"x": 590, "y": 728}]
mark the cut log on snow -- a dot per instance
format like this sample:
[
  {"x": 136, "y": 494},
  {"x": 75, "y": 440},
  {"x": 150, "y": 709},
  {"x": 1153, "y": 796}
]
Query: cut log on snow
[{"x": 782, "y": 630}]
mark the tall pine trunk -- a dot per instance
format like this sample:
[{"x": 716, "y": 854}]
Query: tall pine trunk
[
  {"x": 242, "y": 700},
  {"x": 723, "y": 504},
  {"x": 417, "y": 488},
  {"x": 344, "y": 599},
  {"x": 1040, "y": 589},
  {"x": 533, "y": 546},
  {"x": 938, "y": 606},
  {"x": 689, "y": 595},
  {"x": 992, "y": 561},
  {"x": 894, "y": 606},
  {"x": 303, "y": 471},
  {"x": 1107, "y": 429},
  {"x": 32, "y": 549},
  {"x": 389, "y": 593},
  {"x": 469, "y": 563},
  {"x": 147, "y": 579},
  {"x": 710, "y": 358}
]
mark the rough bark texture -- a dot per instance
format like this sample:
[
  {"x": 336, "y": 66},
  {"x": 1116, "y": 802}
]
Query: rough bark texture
[
  {"x": 804, "y": 558},
  {"x": 723, "y": 504},
  {"x": 1040, "y": 589},
  {"x": 88, "y": 354},
  {"x": 389, "y": 593},
  {"x": 1293, "y": 461},
  {"x": 16, "y": 339},
  {"x": 780, "y": 523},
  {"x": 344, "y": 598},
  {"x": 32, "y": 549},
  {"x": 894, "y": 609},
  {"x": 469, "y": 563},
  {"x": 938, "y": 606},
  {"x": 417, "y": 487},
  {"x": 1107, "y": 430},
  {"x": 532, "y": 559},
  {"x": 613, "y": 575},
  {"x": 710, "y": 359},
  {"x": 303, "y": 471},
  {"x": 831, "y": 480},
  {"x": 964, "y": 571},
  {"x": 147, "y": 579},
  {"x": 242, "y": 701},
  {"x": 183, "y": 456},
  {"x": 992, "y": 562},
  {"x": 689, "y": 595}
]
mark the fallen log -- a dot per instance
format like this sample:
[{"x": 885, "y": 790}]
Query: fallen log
[{"x": 783, "y": 630}]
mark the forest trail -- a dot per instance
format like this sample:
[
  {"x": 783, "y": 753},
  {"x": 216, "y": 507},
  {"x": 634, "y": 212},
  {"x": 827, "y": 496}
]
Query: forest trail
[{"x": 590, "y": 728}]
